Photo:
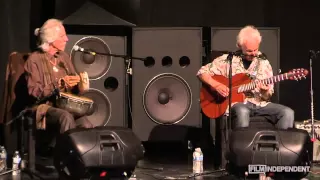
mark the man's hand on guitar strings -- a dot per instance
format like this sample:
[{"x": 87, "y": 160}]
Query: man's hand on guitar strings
[
  {"x": 260, "y": 87},
  {"x": 222, "y": 89}
]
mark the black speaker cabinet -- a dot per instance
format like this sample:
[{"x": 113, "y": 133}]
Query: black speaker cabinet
[
  {"x": 165, "y": 89},
  {"x": 254, "y": 146},
  {"x": 106, "y": 74},
  {"x": 83, "y": 153}
]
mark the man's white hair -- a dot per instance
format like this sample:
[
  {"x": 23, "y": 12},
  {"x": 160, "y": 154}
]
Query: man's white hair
[
  {"x": 48, "y": 33},
  {"x": 246, "y": 33}
]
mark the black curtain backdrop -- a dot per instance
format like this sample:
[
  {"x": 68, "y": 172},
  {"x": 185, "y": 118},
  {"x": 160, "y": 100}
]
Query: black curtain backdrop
[
  {"x": 18, "y": 20},
  {"x": 297, "y": 20},
  {"x": 14, "y": 36}
]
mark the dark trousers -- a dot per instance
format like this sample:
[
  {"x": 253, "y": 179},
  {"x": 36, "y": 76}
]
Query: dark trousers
[
  {"x": 63, "y": 120},
  {"x": 58, "y": 121}
]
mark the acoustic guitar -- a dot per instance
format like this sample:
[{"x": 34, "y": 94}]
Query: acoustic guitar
[{"x": 214, "y": 105}]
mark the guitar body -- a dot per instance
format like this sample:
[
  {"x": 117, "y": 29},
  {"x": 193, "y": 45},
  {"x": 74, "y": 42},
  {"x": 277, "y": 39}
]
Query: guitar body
[{"x": 213, "y": 104}]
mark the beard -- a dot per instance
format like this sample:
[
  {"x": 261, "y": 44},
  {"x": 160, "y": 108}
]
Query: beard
[{"x": 249, "y": 57}]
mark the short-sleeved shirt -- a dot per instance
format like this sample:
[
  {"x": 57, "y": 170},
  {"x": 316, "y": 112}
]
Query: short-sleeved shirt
[{"x": 259, "y": 69}]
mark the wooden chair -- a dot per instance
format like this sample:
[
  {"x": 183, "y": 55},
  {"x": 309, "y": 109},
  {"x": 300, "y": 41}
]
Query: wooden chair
[{"x": 16, "y": 100}]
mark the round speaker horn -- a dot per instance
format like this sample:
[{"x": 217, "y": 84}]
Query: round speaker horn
[
  {"x": 95, "y": 65},
  {"x": 167, "y": 99},
  {"x": 100, "y": 112}
]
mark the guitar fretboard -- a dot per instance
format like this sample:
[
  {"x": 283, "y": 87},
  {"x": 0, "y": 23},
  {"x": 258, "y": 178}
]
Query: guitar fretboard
[{"x": 252, "y": 85}]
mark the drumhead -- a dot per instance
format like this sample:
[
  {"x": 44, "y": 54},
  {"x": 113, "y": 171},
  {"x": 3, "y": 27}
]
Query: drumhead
[{"x": 75, "y": 97}]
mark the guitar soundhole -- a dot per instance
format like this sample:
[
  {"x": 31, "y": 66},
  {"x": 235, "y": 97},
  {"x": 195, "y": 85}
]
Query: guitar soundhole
[{"x": 217, "y": 97}]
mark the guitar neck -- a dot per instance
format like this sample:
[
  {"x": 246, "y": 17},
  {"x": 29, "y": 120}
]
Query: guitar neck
[{"x": 252, "y": 85}]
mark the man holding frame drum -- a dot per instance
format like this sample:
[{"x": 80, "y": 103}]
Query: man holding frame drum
[{"x": 50, "y": 68}]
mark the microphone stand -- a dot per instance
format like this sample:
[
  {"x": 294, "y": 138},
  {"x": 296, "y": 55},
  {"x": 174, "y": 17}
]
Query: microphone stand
[
  {"x": 229, "y": 59},
  {"x": 30, "y": 170},
  {"x": 126, "y": 57},
  {"x": 128, "y": 61},
  {"x": 128, "y": 69},
  {"x": 312, "y": 55}
]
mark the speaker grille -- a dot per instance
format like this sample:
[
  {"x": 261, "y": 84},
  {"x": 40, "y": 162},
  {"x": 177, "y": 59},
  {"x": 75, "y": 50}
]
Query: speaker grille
[
  {"x": 101, "y": 111},
  {"x": 167, "y": 98},
  {"x": 95, "y": 65}
]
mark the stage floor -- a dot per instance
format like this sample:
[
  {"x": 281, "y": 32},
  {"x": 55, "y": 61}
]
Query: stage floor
[
  {"x": 175, "y": 164},
  {"x": 147, "y": 170}
]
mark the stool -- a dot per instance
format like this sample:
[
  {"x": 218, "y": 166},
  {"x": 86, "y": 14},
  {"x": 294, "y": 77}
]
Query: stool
[{"x": 260, "y": 122}]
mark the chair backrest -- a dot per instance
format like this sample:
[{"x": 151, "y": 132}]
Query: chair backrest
[{"x": 15, "y": 89}]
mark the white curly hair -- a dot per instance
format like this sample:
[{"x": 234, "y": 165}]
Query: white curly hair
[
  {"x": 246, "y": 33},
  {"x": 48, "y": 33}
]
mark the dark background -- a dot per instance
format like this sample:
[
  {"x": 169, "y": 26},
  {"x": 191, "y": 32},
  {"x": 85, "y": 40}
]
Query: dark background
[{"x": 297, "y": 20}]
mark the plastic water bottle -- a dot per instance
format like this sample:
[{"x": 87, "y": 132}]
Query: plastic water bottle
[
  {"x": 3, "y": 159},
  {"x": 16, "y": 159},
  {"x": 197, "y": 161}
]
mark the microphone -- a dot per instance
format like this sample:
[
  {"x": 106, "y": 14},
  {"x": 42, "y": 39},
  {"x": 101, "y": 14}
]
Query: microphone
[
  {"x": 78, "y": 48},
  {"x": 313, "y": 54}
]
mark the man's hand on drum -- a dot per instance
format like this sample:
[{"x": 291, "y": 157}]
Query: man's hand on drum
[{"x": 71, "y": 81}]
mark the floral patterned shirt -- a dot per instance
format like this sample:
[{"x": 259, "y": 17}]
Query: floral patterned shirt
[{"x": 259, "y": 69}]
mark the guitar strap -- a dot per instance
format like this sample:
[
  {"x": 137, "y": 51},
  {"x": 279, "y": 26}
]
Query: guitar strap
[{"x": 253, "y": 76}]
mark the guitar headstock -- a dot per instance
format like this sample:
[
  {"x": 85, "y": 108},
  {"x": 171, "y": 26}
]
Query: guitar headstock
[{"x": 298, "y": 74}]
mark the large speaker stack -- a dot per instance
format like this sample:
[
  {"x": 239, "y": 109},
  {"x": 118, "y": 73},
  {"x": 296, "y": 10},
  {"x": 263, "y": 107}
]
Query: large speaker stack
[
  {"x": 111, "y": 148},
  {"x": 106, "y": 74},
  {"x": 165, "y": 89}
]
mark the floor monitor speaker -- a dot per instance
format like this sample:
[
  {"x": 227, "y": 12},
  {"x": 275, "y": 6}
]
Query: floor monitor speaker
[{"x": 87, "y": 153}]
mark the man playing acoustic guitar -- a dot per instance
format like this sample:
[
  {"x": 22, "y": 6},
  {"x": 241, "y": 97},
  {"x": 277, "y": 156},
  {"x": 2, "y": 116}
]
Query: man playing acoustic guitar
[{"x": 256, "y": 101}]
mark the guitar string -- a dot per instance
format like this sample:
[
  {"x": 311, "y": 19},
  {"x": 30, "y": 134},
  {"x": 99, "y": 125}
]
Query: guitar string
[
  {"x": 255, "y": 83},
  {"x": 277, "y": 78}
]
